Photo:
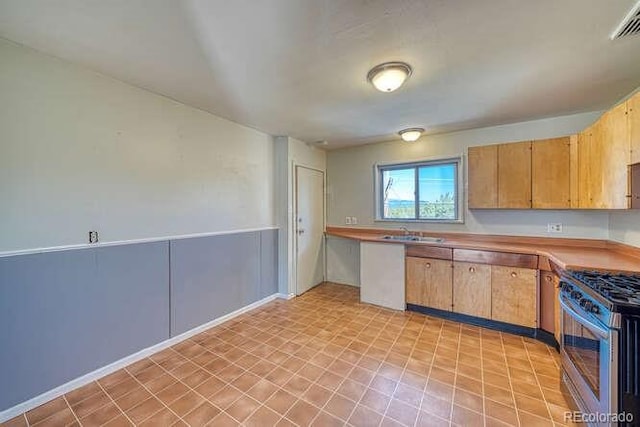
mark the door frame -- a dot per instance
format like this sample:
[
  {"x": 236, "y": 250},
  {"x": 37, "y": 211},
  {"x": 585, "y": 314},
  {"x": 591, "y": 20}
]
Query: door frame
[{"x": 294, "y": 221}]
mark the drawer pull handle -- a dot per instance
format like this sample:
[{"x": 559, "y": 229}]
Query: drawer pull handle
[
  {"x": 472, "y": 269},
  {"x": 514, "y": 274}
]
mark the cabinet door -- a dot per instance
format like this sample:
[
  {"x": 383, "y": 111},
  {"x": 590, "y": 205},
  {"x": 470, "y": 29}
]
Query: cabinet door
[
  {"x": 514, "y": 175},
  {"x": 550, "y": 174},
  {"x": 613, "y": 142},
  {"x": 513, "y": 295},
  {"x": 633, "y": 109},
  {"x": 414, "y": 280},
  {"x": 547, "y": 301},
  {"x": 429, "y": 283},
  {"x": 557, "y": 312},
  {"x": 483, "y": 177},
  {"x": 472, "y": 289},
  {"x": 585, "y": 184}
]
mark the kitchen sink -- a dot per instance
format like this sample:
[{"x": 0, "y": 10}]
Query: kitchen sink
[{"x": 412, "y": 238}]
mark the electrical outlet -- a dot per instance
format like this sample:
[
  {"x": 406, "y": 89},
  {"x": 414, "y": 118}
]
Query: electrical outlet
[
  {"x": 354, "y": 220},
  {"x": 347, "y": 220},
  {"x": 554, "y": 227},
  {"x": 93, "y": 237}
]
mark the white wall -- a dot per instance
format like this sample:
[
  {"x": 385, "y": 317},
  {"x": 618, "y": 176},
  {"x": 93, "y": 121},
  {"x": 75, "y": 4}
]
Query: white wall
[
  {"x": 80, "y": 151},
  {"x": 350, "y": 174},
  {"x": 624, "y": 227},
  {"x": 290, "y": 152}
]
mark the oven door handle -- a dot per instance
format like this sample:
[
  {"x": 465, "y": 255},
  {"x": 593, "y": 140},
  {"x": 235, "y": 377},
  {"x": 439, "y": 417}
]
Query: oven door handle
[{"x": 568, "y": 307}]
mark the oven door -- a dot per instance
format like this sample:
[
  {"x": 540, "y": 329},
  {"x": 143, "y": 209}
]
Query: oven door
[{"x": 589, "y": 359}]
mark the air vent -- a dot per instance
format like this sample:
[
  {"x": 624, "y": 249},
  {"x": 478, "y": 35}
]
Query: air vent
[{"x": 630, "y": 25}]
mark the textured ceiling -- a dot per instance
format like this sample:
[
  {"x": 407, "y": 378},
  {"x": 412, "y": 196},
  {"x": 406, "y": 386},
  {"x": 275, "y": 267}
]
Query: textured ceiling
[{"x": 298, "y": 67}]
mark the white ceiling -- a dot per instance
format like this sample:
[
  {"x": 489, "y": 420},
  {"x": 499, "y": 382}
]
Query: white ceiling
[{"x": 298, "y": 67}]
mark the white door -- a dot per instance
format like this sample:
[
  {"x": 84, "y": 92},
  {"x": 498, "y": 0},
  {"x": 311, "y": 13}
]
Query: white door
[{"x": 309, "y": 228}]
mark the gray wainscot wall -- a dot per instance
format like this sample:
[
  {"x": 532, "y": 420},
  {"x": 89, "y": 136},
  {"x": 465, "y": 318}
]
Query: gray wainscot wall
[{"x": 64, "y": 314}]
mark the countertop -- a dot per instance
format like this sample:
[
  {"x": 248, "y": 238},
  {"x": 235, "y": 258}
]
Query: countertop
[{"x": 569, "y": 254}]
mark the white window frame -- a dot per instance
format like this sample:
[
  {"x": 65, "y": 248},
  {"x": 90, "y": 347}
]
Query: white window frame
[{"x": 378, "y": 199}]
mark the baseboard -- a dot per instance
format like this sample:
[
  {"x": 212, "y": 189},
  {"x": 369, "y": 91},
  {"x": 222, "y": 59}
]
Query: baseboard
[{"x": 119, "y": 364}]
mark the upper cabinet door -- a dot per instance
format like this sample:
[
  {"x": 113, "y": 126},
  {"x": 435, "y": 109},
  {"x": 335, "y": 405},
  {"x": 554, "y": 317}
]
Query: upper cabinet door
[
  {"x": 483, "y": 177},
  {"x": 633, "y": 110},
  {"x": 514, "y": 175},
  {"x": 614, "y": 155},
  {"x": 550, "y": 174},
  {"x": 589, "y": 171}
]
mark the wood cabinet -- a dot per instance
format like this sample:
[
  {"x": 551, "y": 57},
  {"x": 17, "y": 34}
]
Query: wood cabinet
[
  {"x": 472, "y": 289},
  {"x": 429, "y": 282},
  {"x": 550, "y": 174},
  {"x": 547, "y": 302},
  {"x": 633, "y": 111},
  {"x": 614, "y": 147},
  {"x": 586, "y": 182},
  {"x": 514, "y": 175},
  {"x": 483, "y": 177},
  {"x": 604, "y": 152},
  {"x": 513, "y": 295},
  {"x": 557, "y": 312}
]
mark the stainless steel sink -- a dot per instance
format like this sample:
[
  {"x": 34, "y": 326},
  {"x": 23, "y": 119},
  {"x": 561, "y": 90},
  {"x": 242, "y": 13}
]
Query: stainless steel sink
[{"x": 412, "y": 238}]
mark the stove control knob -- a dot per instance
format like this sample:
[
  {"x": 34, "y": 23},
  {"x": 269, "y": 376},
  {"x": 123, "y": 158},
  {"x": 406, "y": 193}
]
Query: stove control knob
[
  {"x": 594, "y": 309},
  {"x": 586, "y": 304},
  {"x": 575, "y": 294}
]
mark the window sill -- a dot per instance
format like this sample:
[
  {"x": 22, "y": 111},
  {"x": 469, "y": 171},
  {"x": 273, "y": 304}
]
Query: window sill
[{"x": 427, "y": 221}]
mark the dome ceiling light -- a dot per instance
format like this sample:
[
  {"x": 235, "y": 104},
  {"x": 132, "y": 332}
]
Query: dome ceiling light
[
  {"x": 411, "y": 134},
  {"x": 389, "y": 76}
]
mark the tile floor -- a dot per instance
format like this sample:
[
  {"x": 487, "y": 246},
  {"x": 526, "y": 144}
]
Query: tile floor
[{"x": 324, "y": 359}]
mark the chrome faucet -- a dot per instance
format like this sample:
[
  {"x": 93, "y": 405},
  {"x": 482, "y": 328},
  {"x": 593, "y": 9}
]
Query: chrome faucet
[{"x": 406, "y": 230}]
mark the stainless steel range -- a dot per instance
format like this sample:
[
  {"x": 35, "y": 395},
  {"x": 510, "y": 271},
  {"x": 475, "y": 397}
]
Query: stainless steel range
[{"x": 600, "y": 345}]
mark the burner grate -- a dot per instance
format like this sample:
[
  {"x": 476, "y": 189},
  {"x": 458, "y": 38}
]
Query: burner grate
[{"x": 617, "y": 288}]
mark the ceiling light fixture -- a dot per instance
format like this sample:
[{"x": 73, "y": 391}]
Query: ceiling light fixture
[
  {"x": 411, "y": 134},
  {"x": 389, "y": 76}
]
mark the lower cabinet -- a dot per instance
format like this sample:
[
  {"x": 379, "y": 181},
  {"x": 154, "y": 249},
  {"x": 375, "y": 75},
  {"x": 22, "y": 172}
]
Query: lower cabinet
[
  {"x": 472, "y": 289},
  {"x": 429, "y": 282},
  {"x": 484, "y": 284},
  {"x": 556, "y": 306},
  {"x": 513, "y": 295}
]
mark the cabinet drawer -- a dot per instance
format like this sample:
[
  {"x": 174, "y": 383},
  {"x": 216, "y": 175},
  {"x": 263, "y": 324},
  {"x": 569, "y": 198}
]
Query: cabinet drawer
[
  {"x": 496, "y": 258},
  {"x": 422, "y": 251}
]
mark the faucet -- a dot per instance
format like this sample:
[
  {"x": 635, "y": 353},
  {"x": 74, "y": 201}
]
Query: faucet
[{"x": 406, "y": 230}]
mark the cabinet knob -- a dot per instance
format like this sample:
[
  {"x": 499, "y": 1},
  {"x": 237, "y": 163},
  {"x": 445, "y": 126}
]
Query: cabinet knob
[
  {"x": 428, "y": 265},
  {"x": 548, "y": 278},
  {"x": 472, "y": 269},
  {"x": 514, "y": 274}
]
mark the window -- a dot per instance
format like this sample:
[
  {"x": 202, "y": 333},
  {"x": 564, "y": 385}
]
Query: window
[{"x": 423, "y": 191}]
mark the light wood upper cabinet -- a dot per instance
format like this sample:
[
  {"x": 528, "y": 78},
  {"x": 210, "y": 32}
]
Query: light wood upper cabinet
[
  {"x": 472, "y": 289},
  {"x": 633, "y": 110},
  {"x": 550, "y": 174},
  {"x": 615, "y": 150},
  {"x": 513, "y": 295},
  {"x": 483, "y": 177},
  {"x": 514, "y": 175},
  {"x": 429, "y": 282},
  {"x": 586, "y": 182}
]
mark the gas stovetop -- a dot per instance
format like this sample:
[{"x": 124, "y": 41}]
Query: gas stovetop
[{"x": 621, "y": 291}]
